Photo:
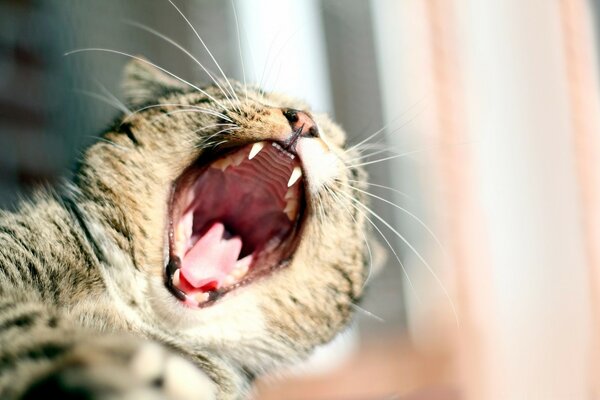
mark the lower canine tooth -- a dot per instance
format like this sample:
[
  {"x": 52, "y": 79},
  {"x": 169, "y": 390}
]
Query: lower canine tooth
[
  {"x": 176, "y": 280},
  {"x": 296, "y": 174}
]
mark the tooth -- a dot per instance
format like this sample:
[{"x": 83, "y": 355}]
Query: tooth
[
  {"x": 176, "y": 280},
  {"x": 239, "y": 273},
  {"x": 179, "y": 234},
  {"x": 241, "y": 267},
  {"x": 229, "y": 280},
  {"x": 296, "y": 174},
  {"x": 290, "y": 194},
  {"x": 291, "y": 209},
  {"x": 223, "y": 163},
  {"x": 238, "y": 158},
  {"x": 256, "y": 148},
  {"x": 201, "y": 297}
]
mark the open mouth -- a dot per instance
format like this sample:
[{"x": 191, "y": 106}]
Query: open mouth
[{"x": 233, "y": 220}]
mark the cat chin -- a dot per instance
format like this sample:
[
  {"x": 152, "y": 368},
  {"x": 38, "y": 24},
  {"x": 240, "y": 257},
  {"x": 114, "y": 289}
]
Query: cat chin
[
  {"x": 219, "y": 323},
  {"x": 235, "y": 328}
]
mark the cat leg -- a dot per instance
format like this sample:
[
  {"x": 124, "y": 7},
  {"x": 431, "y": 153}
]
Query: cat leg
[{"x": 43, "y": 355}]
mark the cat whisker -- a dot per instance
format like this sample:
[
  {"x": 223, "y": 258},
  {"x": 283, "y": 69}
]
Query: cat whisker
[
  {"x": 371, "y": 146},
  {"x": 114, "y": 98},
  {"x": 332, "y": 193},
  {"x": 182, "y": 111},
  {"x": 232, "y": 126},
  {"x": 239, "y": 40},
  {"x": 382, "y": 187},
  {"x": 407, "y": 212},
  {"x": 140, "y": 59},
  {"x": 370, "y": 137},
  {"x": 103, "y": 99},
  {"x": 365, "y": 156},
  {"x": 376, "y": 133},
  {"x": 219, "y": 143},
  {"x": 367, "y": 313},
  {"x": 385, "y": 239},
  {"x": 102, "y": 139},
  {"x": 408, "y": 153},
  {"x": 413, "y": 249},
  {"x": 207, "y": 50},
  {"x": 192, "y": 107},
  {"x": 269, "y": 64},
  {"x": 206, "y": 142},
  {"x": 405, "y": 154},
  {"x": 320, "y": 207},
  {"x": 185, "y": 51}
]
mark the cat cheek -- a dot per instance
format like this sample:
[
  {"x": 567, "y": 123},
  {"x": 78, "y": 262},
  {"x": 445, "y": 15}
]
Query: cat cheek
[{"x": 320, "y": 164}]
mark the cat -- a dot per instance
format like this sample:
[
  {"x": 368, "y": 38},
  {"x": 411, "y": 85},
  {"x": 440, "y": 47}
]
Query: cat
[{"x": 210, "y": 236}]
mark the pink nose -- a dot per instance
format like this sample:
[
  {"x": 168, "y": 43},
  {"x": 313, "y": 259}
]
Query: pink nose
[
  {"x": 302, "y": 126},
  {"x": 299, "y": 120}
]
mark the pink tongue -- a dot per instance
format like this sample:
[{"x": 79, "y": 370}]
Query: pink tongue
[{"x": 212, "y": 258}]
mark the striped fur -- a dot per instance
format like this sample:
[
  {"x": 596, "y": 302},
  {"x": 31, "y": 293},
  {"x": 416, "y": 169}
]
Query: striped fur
[{"x": 83, "y": 306}]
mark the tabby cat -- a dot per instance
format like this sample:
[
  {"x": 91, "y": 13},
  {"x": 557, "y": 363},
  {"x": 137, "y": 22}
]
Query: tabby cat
[{"x": 209, "y": 237}]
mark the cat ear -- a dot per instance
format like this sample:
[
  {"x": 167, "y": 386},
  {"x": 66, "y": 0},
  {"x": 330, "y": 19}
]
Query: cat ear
[{"x": 143, "y": 82}]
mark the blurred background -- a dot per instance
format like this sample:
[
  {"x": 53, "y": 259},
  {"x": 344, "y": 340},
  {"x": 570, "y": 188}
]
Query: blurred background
[{"x": 484, "y": 166}]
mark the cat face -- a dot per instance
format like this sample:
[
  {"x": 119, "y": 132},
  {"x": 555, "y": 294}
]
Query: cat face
[{"x": 238, "y": 214}]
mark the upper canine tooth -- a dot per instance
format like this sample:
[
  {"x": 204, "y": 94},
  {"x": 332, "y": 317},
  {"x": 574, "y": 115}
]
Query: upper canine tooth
[
  {"x": 296, "y": 174},
  {"x": 256, "y": 148}
]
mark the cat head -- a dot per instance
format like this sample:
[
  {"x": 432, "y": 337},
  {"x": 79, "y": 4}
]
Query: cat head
[{"x": 232, "y": 212}]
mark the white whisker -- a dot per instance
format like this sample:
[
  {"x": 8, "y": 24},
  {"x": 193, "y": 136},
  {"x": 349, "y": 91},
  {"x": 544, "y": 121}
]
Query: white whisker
[
  {"x": 408, "y": 153},
  {"x": 370, "y": 137},
  {"x": 271, "y": 64},
  {"x": 107, "y": 92},
  {"x": 404, "y": 271},
  {"x": 383, "y": 187},
  {"x": 239, "y": 40},
  {"x": 99, "y": 49},
  {"x": 101, "y": 98},
  {"x": 214, "y": 126},
  {"x": 332, "y": 193},
  {"x": 413, "y": 216},
  {"x": 205, "y": 48},
  {"x": 202, "y": 109},
  {"x": 412, "y": 248},
  {"x": 111, "y": 143},
  {"x": 367, "y": 312},
  {"x": 177, "y": 45},
  {"x": 182, "y": 111}
]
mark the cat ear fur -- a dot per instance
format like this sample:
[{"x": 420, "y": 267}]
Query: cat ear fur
[{"x": 143, "y": 83}]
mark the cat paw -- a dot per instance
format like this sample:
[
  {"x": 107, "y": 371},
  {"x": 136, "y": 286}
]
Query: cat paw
[{"x": 125, "y": 370}]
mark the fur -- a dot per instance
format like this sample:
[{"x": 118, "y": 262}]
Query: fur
[{"x": 83, "y": 307}]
